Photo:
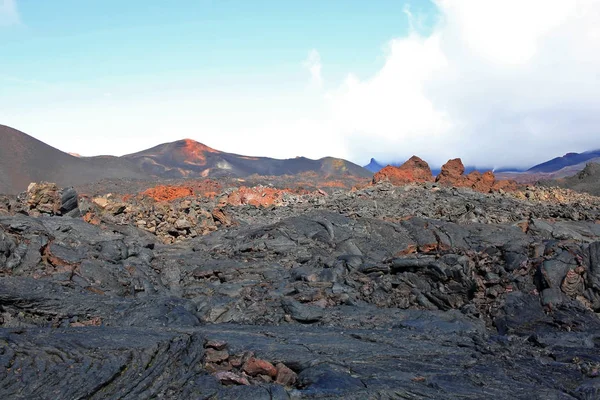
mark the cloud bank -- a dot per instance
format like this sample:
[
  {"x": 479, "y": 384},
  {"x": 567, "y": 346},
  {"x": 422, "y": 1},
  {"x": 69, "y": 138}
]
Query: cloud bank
[
  {"x": 9, "y": 14},
  {"x": 497, "y": 83}
]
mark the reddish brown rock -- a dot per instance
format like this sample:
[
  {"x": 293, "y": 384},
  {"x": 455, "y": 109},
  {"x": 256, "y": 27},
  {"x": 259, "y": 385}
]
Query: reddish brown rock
[
  {"x": 215, "y": 356},
  {"x": 235, "y": 362},
  {"x": 452, "y": 172},
  {"x": 230, "y": 378},
  {"x": 285, "y": 376},
  {"x": 90, "y": 218},
  {"x": 413, "y": 170},
  {"x": 256, "y": 366},
  {"x": 215, "y": 344},
  {"x": 42, "y": 198},
  {"x": 220, "y": 216}
]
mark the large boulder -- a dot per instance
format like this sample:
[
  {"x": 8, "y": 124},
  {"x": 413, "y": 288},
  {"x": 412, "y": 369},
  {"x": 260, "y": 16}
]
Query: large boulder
[
  {"x": 45, "y": 198},
  {"x": 480, "y": 182},
  {"x": 452, "y": 174},
  {"x": 42, "y": 198},
  {"x": 69, "y": 203},
  {"x": 413, "y": 170}
]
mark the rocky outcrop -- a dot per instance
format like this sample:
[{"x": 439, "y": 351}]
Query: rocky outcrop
[
  {"x": 42, "y": 198},
  {"x": 452, "y": 174},
  {"x": 412, "y": 171},
  {"x": 47, "y": 199},
  {"x": 416, "y": 170}
]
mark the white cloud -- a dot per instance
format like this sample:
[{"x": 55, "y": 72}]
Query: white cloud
[
  {"x": 511, "y": 83},
  {"x": 497, "y": 83},
  {"x": 9, "y": 14},
  {"x": 313, "y": 65}
]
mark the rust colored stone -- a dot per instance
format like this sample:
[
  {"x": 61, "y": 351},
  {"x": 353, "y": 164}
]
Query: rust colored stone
[
  {"x": 411, "y": 249},
  {"x": 219, "y": 215},
  {"x": 285, "y": 376},
  {"x": 90, "y": 218},
  {"x": 168, "y": 193},
  {"x": 452, "y": 174},
  {"x": 230, "y": 378},
  {"x": 524, "y": 226},
  {"x": 43, "y": 198},
  {"x": 412, "y": 171},
  {"x": 216, "y": 344},
  {"x": 255, "y": 366},
  {"x": 215, "y": 356}
]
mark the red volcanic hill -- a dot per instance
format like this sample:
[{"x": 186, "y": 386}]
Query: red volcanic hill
[
  {"x": 24, "y": 159},
  {"x": 188, "y": 158}
]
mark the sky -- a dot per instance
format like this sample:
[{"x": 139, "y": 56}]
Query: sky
[{"x": 498, "y": 83}]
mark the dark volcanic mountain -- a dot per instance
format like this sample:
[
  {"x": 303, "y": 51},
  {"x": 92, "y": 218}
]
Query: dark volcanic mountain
[
  {"x": 552, "y": 171},
  {"x": 374, "y": 166},
  {"x": 569, "y": 159},
  {"x": 24, "y": 159},
  {"x": 188, "y": 158}
]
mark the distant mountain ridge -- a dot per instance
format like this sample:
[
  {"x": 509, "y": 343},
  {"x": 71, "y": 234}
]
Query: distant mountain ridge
[
  {"x": 24, "y": 159},
  {"x": 567, "y": 160},
  {"x": 375, "y": 166},
  {"x": 188, "y": 158}
]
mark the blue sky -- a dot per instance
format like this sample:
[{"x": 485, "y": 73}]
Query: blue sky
[
  {"x": 351, "y": 78},
  {"x": 109, "y": 41}
]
